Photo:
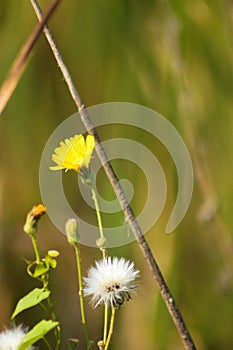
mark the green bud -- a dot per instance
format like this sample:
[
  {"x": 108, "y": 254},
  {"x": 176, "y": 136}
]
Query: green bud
[
  {"x": 72, "y": 231},
  {"x": 53, "y": 253}
]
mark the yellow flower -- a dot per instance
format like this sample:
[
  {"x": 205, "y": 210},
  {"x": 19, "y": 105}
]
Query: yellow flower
[{"x": 73, "y": 153}]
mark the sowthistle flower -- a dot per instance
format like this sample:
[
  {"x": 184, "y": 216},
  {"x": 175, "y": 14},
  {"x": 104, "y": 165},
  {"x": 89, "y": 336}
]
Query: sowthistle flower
[
  {"x": 10, "y": 339},
  {"x": 74, "y": 153},
  {"x": 33, "y": 217},
  {"x": 111, "y": 282}
]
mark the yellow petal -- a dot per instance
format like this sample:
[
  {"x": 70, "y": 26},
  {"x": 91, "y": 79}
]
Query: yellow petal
[{"x": 73, "y": 153}]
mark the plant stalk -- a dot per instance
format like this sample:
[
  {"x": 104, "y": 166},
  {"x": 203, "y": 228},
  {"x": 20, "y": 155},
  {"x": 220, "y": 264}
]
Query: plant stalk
[
  {"x": 110, "y": 332},
  {"x": 127, "y": 210},
  {"x": 81, "y": 299}
]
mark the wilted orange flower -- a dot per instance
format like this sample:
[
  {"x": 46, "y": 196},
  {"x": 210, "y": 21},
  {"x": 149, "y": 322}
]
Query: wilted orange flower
[{"x": 33, "y": 217}]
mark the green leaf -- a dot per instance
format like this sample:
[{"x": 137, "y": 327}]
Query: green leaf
[
  {"x": 41, "y": 269},
  {"x": 36, "y": 269},
  {"x": 31, "y": 299},
  {"x": 36, "y": 333}
]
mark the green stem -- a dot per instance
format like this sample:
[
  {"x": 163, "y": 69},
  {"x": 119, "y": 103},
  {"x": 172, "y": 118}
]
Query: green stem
[
  {"x": 97, "y": 208},
  {"x": 110, "y": 332},
  {"x": 57, "y": 330},
  {"x": 105, "y": 322},
  {"x": 81, "y": 299},
  {"x": 36, "y": 249},
  {"x": 47, "y": 343}
]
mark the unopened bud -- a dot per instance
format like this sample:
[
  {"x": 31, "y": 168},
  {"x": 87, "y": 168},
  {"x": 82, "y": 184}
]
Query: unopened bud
[
  {"x": 53, "y": 253},
  {"x": 72, "y": 231}
]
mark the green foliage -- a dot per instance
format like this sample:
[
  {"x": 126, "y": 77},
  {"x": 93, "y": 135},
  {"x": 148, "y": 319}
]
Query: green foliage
[
  {"x": 36, "y": 333},
  {"x": 40, "y": 269},
  {"x": 142, "y": 52},
  {"x": 35, "y": 297}
]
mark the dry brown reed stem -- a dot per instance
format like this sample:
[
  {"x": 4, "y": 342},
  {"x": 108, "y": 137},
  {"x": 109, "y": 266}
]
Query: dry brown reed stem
[
  {"x": 21, "y": 59},
  {"x": 129, "y": 215}
]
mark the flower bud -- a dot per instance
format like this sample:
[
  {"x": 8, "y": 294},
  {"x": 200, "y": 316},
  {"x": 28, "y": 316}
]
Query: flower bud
[
  {"x": 53, "y": 253},
  {"x": 72, "y": 231}
]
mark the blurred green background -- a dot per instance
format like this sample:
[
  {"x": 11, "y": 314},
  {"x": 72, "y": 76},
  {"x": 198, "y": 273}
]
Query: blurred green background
[{"x": 176, "y": 58}]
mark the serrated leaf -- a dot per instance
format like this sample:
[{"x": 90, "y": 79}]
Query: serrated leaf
[
  {"x": 31, "y": 299},
  {"x": 37, "y": 333}
]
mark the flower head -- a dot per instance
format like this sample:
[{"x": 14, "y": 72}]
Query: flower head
[
  {"x": 111, "y": 281},
  {"x": 33, "y": 217},
  {"x": 73, "y": 153},
  {"x": 10, "y": 339}
]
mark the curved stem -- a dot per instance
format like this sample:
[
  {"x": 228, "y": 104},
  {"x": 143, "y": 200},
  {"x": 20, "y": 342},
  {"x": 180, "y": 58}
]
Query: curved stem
[{"x": 110, "y": 332}]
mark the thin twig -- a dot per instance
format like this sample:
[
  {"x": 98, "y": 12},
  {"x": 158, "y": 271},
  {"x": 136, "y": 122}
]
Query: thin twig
[
  {"x": 21, "y": 59},
  {"x": 155, "y": 270}
]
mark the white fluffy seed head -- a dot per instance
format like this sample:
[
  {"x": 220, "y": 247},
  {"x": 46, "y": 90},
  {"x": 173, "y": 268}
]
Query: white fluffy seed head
[
  {"x": 111, "y": 281},
  {"x": 10, "y": 339}
]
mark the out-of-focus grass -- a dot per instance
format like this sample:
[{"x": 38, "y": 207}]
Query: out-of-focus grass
[{"x": 174, "y": 57}]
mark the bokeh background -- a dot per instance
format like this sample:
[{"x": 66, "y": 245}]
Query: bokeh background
[{"x": 176, "y": 58}]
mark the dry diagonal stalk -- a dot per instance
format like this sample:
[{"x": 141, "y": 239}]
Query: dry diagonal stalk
[
  {"x": 86, "y": 119},
  {"x": 21, "y": 59}
]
